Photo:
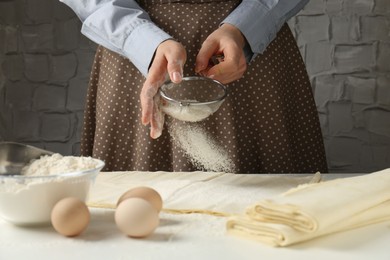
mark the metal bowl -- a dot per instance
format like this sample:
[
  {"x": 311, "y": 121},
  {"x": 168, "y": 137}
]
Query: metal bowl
[
  {"x": 194, "y": 99},
  {"x": 28, "y": 200},
  {"x": 14, "y": 156}
]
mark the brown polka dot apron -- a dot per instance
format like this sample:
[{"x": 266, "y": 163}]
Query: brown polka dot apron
[{"x": 267, "y": 124}]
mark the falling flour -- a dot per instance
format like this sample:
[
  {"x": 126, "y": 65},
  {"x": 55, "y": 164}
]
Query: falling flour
[
  {"x": 199, "y": 146},
  {"x": 201, "y": 149}
]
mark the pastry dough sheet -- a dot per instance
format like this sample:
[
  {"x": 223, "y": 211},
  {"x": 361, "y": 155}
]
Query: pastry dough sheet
[{"x": 313, "y": 210}]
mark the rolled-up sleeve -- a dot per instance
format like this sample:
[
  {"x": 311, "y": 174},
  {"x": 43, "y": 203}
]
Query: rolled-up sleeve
[
  {"x": 260, "y": 20},
  {"x": 121, "y": 26}
]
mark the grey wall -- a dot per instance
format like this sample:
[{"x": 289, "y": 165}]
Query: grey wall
[
  {"x": 44, "y": 74},
  {"x": 345, "y": 45}
]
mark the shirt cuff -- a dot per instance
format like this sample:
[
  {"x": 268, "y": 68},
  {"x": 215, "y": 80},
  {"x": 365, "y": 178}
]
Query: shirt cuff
[
  {"x": 139, "y": 47},
  {"x": 259, "y": 33},
  {"x": 142, "y": 43}
]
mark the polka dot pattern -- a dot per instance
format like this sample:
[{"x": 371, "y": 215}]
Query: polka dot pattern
[{"x": 268, "y": 123}]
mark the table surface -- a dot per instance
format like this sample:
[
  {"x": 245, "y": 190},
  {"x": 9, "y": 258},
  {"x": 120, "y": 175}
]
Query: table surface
[{"x": 185, "y": 236}]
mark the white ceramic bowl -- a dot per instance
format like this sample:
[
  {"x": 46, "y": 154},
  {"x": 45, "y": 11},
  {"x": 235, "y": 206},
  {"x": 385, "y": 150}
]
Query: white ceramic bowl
[{"x": 29, "y": 200}]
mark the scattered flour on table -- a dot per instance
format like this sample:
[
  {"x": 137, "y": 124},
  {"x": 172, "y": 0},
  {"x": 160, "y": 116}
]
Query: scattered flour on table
[
  {"x": 201, "y": 149},
  {"x": 57, "y": 164}
]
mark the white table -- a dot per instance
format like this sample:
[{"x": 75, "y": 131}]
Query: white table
[{"x": 184, "y": 236}]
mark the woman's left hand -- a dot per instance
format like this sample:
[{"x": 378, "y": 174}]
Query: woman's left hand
[
  {"x": 169, "y": 60},
  {"x": 228, "y": 41}
]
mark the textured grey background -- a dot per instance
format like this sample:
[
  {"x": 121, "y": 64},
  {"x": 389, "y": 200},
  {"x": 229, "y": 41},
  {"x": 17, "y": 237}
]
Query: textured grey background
[{"x": 45, "y": 65}]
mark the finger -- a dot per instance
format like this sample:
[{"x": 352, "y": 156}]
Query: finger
[
  {"x": 208, "y": 49},
  {"x": 225, "y": 74},
  {"x": 175, "y": 68},
  {"x": 157, "y": 121},
  {"x": 231, "y": 68},
  {"x": 153, "y": 81},
  {"x": 224, "y": 69},
  {"x": 219, "y": 72},
  {"x": 147, "y": 93}
]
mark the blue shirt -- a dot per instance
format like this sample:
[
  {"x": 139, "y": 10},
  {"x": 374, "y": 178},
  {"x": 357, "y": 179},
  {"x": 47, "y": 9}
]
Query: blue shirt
[{"x": 124, "y": 27}]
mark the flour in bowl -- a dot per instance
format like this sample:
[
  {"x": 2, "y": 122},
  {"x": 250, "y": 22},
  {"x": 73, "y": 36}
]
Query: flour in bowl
[
  {"x": 190, "y": 113},
  {"x": 57, "y": 164},
  {"x": 29, "y": 199}
]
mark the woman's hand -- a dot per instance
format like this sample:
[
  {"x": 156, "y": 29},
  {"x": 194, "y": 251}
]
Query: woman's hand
[
  {"x": 228, "y": 41},
  {"x": 169, "y": 60}
]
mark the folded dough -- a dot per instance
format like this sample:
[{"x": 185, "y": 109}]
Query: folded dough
[{"x": 312, "y": 210}]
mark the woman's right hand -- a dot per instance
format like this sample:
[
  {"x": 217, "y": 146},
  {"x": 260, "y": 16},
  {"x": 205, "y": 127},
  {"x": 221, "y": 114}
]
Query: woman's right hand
[
  {"x": 168, "y": 61},
  {"x": 229, "y": 42}
]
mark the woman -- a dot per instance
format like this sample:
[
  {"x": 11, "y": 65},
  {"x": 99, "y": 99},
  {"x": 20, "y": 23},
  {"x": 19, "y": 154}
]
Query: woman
[{"x": 269, "y": 121}]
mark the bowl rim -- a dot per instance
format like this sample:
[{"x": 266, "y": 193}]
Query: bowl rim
[
  {"x": 62, "y": 175},
  {"x": 194, "y": 103}
]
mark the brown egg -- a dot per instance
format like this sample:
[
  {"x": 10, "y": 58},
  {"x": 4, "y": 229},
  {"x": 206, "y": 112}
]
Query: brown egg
[
  {"x": 136, "y": 217},
  {"x": 145, "y": 193},
  {"x": 70, "y": 217}
]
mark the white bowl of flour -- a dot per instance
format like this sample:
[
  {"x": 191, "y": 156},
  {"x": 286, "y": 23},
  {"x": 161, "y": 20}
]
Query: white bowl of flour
[{"x": 28, "y": 198}]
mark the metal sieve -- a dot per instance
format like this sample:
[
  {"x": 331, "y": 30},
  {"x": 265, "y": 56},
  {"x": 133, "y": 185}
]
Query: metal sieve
[{"x": 194, "y": 99}]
